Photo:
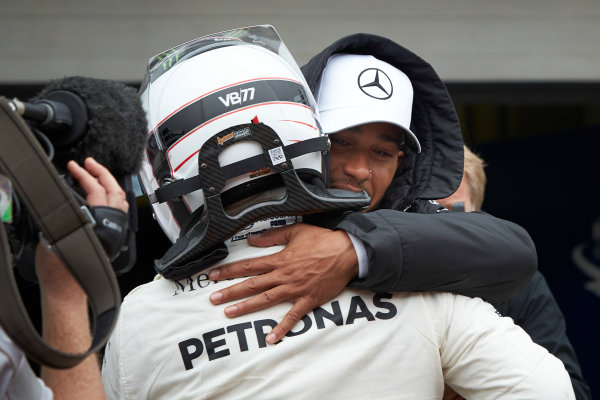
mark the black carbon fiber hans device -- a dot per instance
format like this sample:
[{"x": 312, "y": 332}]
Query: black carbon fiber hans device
[{"x": 201, "y": 241}]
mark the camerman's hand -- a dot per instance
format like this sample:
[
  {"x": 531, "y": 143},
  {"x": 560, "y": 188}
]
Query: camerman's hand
[
  {"x": 314, "y": 267},
  {"x": 102, "y": 189},
  {"x": 100, "y": 185}
]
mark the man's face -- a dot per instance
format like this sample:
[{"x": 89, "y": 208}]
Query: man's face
[{"x": 366, "y": 158}]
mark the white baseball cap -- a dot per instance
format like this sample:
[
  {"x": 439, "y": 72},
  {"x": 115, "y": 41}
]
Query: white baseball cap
[{"x": 359, "y": 89}]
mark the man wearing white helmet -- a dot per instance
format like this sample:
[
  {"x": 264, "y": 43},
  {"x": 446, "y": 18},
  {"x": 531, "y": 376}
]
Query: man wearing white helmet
[{"x": 170, "y": 342}]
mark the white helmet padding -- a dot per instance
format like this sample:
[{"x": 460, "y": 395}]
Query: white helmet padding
[{"x": 230, "y": 119}]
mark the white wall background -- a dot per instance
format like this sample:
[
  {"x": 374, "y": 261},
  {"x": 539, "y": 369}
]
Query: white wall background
[{"x": 465, "y": 40}]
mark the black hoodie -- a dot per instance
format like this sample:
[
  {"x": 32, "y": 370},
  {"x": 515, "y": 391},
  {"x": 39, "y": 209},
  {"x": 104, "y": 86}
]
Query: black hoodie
[{"x": 473, "y": 254}]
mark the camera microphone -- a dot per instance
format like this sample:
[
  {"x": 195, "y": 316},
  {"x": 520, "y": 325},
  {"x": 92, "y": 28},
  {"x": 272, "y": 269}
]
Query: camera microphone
[
  {"x": 79, "y": 117},
  {"x": 90, "y": 117}
]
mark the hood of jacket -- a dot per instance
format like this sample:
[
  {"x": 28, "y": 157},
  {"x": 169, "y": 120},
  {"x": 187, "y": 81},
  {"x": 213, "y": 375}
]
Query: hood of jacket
[{"x": 436, "y": 172}]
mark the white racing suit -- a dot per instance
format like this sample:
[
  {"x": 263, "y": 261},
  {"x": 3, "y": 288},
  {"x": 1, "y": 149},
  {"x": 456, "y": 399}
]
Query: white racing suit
[{"x": 170, "y": 342}]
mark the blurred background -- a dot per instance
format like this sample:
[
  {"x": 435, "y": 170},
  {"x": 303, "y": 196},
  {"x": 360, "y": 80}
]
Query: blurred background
[{"x": 524, "y": 75}]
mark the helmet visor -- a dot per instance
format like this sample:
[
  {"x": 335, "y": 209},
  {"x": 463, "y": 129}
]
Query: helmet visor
[{"x": 260, "y": 35}]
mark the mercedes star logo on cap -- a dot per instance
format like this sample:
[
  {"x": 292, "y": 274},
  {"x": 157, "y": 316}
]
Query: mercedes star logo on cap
[{"x": 375, "y": 83}]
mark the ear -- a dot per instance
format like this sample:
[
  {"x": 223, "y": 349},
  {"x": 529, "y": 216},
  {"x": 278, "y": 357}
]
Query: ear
[{"x": 401, "y": 157}]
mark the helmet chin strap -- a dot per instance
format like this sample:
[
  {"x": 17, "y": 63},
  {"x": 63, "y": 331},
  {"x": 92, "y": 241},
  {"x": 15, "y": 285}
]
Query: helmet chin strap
[{"x": 201, "y": 242}]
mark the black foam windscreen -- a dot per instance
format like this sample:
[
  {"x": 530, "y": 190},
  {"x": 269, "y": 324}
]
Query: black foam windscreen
[{"x": 116, "y": 124}]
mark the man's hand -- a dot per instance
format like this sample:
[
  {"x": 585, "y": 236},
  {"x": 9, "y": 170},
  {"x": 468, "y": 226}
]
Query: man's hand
[
  {"x": 314, "y": 267},
  {"x": 101, "y": 187}
]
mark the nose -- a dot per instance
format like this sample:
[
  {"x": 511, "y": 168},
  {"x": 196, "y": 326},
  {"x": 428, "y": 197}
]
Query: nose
[{"x": 357, "y": 166}]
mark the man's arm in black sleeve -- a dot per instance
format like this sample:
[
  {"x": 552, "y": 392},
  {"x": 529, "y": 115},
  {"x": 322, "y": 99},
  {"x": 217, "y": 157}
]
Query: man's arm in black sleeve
[
  {"x": 535, "y": 310},
  {"x": 473, "y": 254}
]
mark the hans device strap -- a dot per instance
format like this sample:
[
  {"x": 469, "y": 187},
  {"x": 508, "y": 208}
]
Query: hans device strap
[
  {"x": 65, "y": 227},
  {"x": 201, "y": 241}
]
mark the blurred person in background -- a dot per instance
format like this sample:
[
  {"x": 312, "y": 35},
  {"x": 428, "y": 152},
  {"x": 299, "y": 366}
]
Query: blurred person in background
[{"x": 534, "y": 308}]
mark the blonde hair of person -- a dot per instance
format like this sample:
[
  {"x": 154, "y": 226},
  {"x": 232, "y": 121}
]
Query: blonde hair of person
[{"x": 475, "y": 176}]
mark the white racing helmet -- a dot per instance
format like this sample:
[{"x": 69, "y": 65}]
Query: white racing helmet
[{"x": 233, "y": 137}]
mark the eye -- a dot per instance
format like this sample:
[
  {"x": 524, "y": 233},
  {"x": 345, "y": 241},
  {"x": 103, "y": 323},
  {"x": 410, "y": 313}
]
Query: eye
[
  {"x": 338, "y": 141},
  {"x": 382, "y": 153}
]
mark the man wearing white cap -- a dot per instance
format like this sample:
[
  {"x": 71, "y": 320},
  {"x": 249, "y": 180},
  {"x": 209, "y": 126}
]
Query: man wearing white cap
[
  {"x": 394, "y": 133},
  {"x": 374, "y": 112}
]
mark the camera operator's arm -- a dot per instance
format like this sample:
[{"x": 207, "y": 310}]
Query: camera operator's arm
[{"x": 66, "y": 324}]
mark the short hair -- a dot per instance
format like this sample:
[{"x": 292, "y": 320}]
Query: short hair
[{"x": 475, "y": 176}]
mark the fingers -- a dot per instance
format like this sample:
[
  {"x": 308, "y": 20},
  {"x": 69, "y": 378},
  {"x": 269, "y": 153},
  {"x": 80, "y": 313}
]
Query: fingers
[
  {"x": 256, "y": 303},
  {"x": 85, "y": 179},
  {"x": 299, "y": 310},
  {"x": 239, "y": 269},
  {"x": 115, "y": 194},
  {"x": 100, "y": 185},
  {"x": 246, "y": 288},
  {"x": 265, "y": 300},
  {"x": 100, "y": 172}
]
